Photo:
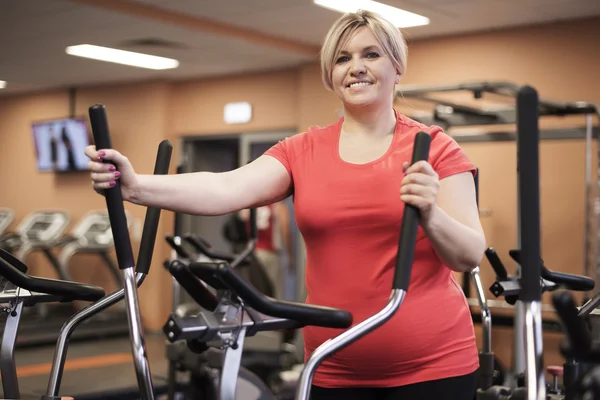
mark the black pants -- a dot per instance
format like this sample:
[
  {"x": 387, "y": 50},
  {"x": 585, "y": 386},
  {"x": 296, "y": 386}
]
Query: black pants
[{"x": 456, "y": 388}]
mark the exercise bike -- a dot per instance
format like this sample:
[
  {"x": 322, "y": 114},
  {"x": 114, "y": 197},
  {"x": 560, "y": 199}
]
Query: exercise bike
[{"x": 203, "y": 367}]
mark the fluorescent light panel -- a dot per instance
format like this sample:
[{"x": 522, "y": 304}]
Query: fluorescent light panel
[
  {"x": 122, "y": 57},
  {"x": 400, "y": 18},
  {"x": 2, "y": 84}
]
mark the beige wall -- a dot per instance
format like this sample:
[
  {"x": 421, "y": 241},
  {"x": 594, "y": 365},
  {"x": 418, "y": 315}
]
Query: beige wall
[{"x": 560, "y": 60}]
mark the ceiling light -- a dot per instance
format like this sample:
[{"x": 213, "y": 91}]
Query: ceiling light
[
  {"x": 2, "y": 84},
  {"x": 122, "y": 57},
  {"x": 400, "y": 18}
]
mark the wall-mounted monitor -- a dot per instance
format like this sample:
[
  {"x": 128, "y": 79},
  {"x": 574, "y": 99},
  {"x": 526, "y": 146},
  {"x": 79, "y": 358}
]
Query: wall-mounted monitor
[{"x": 60, "y": 143}]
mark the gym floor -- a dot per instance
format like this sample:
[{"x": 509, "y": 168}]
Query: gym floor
[{"x": 92, "y": 367}]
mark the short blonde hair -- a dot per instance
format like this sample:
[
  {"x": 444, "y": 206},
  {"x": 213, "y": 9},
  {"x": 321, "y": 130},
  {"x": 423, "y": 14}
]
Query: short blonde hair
[{"x": 391, "y": 40}]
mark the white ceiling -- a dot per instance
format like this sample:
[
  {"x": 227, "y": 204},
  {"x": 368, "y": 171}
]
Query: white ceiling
[{"x": 34, "y": 33}]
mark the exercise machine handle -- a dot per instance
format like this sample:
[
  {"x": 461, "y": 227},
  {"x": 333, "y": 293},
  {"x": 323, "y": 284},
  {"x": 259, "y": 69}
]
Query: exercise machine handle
[
  {"x": 572, "y": 282},
  {"x": 161, "y": 167},
  {"x": 580, "y": 338},
  {"x": 529, "y": 192},
  {"x": 410, "y": 222},
  {"x": 568, "y": 281},
  {"x": 193, "y": 286},
  {"x": 205, "y": 248},
  {"x": 253, "y": 224},
  {"x": 494, "y": 260},
  {"x": 114, "y": 198},
  {"x": 13, "y": 270},
  {"x": 300, "y": 312}
]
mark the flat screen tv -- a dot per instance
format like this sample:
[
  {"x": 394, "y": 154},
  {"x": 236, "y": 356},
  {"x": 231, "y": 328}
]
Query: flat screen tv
[{"x": 59, "y": 144}]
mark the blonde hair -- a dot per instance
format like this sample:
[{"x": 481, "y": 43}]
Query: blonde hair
[{"x": 391, "y": 40}]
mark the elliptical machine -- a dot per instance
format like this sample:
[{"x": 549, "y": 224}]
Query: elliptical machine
[{"x": 241, "y": 310}]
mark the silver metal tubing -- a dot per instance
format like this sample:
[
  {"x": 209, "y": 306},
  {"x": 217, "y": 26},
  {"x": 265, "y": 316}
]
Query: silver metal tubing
[
  {"x": 231, "y": 368},
  {"x": 345, "y": 339},
  {"x": 60, "y": 352},
  {"x": 136, "y": 333},
  {"x": 590, "y": 306},
  {"x": 588, "y": 191},
  {"x": 244, "y": 254},
  {"x": 486, "y": 317},
  {"x": 10, "y": 382},
  {"x": 535, "y": 380},
  {"x": 518, "y": 362}
]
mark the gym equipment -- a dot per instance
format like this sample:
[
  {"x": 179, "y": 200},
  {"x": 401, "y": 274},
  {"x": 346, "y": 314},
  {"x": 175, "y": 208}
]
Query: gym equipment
[
  {"x": 6, "y": 217},
  {"x": 19, "y": 290},
  {"x": 509, "y": 287},
  {"x": 530, "y": 289},
  {"x": 585, "y": 385},
  {"x": 266, "y": 360},
  {"x": 239, "y": 310},
  {"x": 90, "y": 235},
  {"x": 39, "y": 231},
  {"x": 492, "y": 103},
  {"x": 44, "y": 231},
  {"x": 102, "y": 302}
]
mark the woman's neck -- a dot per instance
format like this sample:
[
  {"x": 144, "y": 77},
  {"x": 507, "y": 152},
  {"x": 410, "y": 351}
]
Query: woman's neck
[{"x": 375, "y": 122}]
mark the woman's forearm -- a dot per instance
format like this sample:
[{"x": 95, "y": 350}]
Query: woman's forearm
[
  {"x": 459, "y": 246},
  {"x": 199, "y": 193}
]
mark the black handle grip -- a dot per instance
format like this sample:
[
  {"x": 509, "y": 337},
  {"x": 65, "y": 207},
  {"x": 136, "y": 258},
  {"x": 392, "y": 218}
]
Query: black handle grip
[
  {"x": 529, "y": 192},
  {"x": 300, "y": 312},
  {"x": 568, "y": 281},
  {"x": 161, "y": 167},
  {"x": 580, "y": 338},
  {"x": 114, "y": 198},
  {"x": 203, "y": 247},
  {"x": 253, "y": 224},
  {"x": 69, "y": 291},
  {"x": 494, "y": 260},
  {"x": 192, "y": 285},
  {"x": 410, "y": 222}
]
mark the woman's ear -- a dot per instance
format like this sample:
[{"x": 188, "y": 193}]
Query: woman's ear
[{"x": 398, "y": 77}]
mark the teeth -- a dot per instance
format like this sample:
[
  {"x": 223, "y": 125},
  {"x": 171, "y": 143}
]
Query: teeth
[{"x": 360, "y": 84}]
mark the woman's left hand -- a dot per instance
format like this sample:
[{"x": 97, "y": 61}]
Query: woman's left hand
[{"x": 420, "y": 187}]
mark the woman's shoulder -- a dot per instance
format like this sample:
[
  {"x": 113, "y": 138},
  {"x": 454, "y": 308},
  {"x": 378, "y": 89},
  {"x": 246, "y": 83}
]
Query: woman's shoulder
[
  {"x": 312, "y": 135},
  {"x": 409, "y": 124}
]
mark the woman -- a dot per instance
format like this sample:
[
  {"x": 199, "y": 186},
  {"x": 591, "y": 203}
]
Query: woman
[{"x": 350, "y": 181}]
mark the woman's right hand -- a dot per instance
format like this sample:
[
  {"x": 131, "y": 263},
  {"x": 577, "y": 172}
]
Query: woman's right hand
[{"x": 105, "y": 175}]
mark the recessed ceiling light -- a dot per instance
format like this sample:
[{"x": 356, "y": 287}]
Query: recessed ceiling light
[
  {"x": 122, "y": 57},
  {"x": 2, "y": 84},
  {"x": 400, "y": 18}
]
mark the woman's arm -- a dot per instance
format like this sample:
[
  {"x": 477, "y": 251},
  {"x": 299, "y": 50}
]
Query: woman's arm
[
  {"x": 263, "y": 181},
  {"x": 449, "y": 214},
  {"x": 260, "y": 182},
  {"x": 453, "y": 226}
]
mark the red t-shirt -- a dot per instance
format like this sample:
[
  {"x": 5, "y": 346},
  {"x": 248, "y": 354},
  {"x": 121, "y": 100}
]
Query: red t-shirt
[{"x": 350, "y": 216}]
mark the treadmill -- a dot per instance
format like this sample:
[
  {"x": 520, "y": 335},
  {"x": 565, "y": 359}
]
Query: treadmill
[
  {"x": 45, "y": 231},
  {"x": 91, "y": 235},
  {"x": 6, "y": 217}
]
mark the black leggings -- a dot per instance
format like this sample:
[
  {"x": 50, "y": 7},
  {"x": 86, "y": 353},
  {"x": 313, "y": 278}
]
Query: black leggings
[{"x": 456, "y": 388}]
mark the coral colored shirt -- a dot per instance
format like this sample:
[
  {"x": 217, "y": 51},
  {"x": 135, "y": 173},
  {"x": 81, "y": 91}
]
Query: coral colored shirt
[{"x": 350, "y": 216}]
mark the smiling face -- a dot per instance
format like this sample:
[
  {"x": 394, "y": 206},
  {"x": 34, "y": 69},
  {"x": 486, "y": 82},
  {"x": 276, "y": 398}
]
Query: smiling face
[{"x": 363, "y": 75}]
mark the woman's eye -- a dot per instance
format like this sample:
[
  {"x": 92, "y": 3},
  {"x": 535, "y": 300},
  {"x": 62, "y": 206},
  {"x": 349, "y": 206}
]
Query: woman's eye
[
  {"x": 372, "y": 55},
  {"x": 342, "y": 59}
]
